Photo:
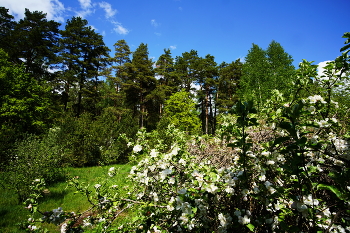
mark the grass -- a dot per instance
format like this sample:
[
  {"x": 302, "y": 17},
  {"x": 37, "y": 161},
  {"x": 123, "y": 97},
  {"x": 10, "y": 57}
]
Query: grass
[{"x": 60, "y": 195}]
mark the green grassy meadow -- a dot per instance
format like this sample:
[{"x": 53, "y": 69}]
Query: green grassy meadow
[{"x": 58, "y": 195}]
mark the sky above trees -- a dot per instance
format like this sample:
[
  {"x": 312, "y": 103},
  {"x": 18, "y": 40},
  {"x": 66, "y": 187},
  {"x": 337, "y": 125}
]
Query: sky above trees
[{"x": 226, "y": 29}]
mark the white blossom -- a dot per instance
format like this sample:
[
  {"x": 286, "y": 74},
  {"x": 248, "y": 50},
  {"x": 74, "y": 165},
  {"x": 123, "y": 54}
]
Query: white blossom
[
  {"x": 182, "y": 162},
  {"x": 171, "y": 180},
  {"x": 153, "y": 153},
  {"x": 244, "y": 220},
  {"x": 265, "y": 153},
  {"x": 170, "y": 207},
  {"x": 164, "y": 173},
  {"x": 308, "y": 200},
  {"x": 137, "y": 148},
  {"x": 111, "y": 171},
  {"x": 229, "y": 190},
  {"x": 316, "y": 98},
  {"x": 211, "y": 188},
  {"x": 270, "y": 162}
]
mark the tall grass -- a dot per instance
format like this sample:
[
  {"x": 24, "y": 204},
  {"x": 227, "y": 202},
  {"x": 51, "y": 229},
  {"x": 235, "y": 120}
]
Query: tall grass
[{"x": 57, "y": 195}]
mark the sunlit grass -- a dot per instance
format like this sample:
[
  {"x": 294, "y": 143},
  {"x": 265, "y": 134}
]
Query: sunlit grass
[{"x": 57, "y": 195}]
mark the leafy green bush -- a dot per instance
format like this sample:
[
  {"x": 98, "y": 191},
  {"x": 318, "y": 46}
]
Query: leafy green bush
[
  {"x": 33, "y": 159},
  {"x": 114, "y": 130},
  {"x": 180, "y": 111},
  {"x": 88, "y": 141}
]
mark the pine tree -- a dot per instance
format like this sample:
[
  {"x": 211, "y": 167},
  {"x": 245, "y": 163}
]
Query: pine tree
[
  {"x": 7, "y": 26},
  {"x": 206, "y": 80},
  {"x": 140, "y": 84},
  {"x": 117, "y": 74},
  {"x": 35, "y": 40},
  {"x": 83, "y": 56},
  {"x": 186, "y": 68},
  {"x": 167, "y": 84},
  {"x": 121, "y": 64},
  {"x": 228, "y": 85}
]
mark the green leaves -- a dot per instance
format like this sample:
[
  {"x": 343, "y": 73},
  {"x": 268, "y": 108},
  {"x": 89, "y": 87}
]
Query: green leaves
[
  {"x": 250, "y": 227},
  {"x": 180, "y": 111},
  {"x": 243, "y": 110},
  {"x": 264, "y": 71},
  {"x": 334, "y": 190}
]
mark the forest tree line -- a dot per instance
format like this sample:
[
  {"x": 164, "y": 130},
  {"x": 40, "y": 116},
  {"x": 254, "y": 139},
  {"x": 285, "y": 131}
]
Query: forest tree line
[{"x": 51, "y": 77}]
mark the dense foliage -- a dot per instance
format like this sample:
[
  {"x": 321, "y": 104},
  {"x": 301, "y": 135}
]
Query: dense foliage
[{"x": 257, "y": 146}]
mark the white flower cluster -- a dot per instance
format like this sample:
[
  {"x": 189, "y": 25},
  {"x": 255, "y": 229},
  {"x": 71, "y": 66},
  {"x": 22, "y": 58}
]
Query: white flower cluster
[
  {"x": 201, "y": 187},
  {"x": 316, "y": 98},
  {"x": 342, "y": 148},
  {"x": 112, "y": 172},
  {"x": 243, "y": 219},
  {"x": 225, "y": 221},
  {"x": 304, "y": 203},
  {"x": 137, "y": 148}
]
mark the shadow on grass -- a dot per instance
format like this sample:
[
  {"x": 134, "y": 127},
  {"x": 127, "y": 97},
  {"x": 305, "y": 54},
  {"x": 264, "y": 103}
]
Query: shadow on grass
[{"x": 54, "y": 195}]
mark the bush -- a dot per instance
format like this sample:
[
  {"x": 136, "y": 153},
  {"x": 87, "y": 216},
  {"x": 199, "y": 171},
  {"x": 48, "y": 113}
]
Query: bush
[
  {"x": 33, "y": 159},
  {"x": 90, "y": 142},
  {"x": 297, "y": 179}
]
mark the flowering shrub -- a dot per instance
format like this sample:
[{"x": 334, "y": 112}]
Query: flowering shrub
[
  {"x": 297, "y": 182},
  {"x": 296, "y": 179}
]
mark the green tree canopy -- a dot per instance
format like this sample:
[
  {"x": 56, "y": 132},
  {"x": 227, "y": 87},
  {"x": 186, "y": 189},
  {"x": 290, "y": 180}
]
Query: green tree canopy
[
  {"x": 24, "y": 104},
  {"x": 180, "y": 110},
  {"x": 140, "y": 84},
  {"x": 266, "y": 70},
  {"x": 7, "y": 25}
]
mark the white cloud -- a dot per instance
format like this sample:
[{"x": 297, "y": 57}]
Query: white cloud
[
  {"x": 85, "y": 4},
  {"x": 118, "y": 28},
  {"x": 107, "y": 7},
  {"x": 86, "y": 7},
  {"x": 154, "y": 23},
  {"x": 158, "y": 34},
  {"x": 320, "y": 68},
  {"x": 53, "y": 8},
  {"x": 172, "y": 47}
]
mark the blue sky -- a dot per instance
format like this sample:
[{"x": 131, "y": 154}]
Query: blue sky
[{"x": 226, "y": 29}]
